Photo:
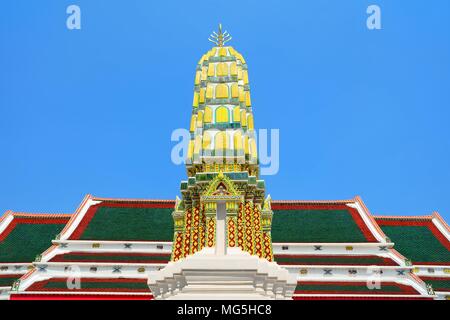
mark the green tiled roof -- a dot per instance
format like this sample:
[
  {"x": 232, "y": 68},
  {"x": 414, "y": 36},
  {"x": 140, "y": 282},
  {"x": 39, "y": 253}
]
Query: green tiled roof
[
  {"x": 332, "y": 260},
  {"x": 26, "y": 241},
  {"x": 346, "y": 288},
  {"x": 439, "y": 285},
  {"x": 86, "y": 284},
  {"x": 127, "y": 258},
  {"x": 417, "y": 243},
  {"x": 127, "y": 224},
  {"x": 8, "y": 281},
  {"x": 315, "y": 226}
]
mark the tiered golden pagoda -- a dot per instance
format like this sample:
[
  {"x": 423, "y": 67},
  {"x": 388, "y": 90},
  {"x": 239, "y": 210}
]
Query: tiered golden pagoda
[{"x": 222, "y": 158}]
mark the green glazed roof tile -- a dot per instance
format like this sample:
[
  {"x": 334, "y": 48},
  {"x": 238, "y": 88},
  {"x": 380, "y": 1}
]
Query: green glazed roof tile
[
  {"x": 315, "y": 226},
  {"x": 127, "y": 224}
]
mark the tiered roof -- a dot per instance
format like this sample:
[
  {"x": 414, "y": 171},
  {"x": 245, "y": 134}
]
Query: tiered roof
[
  {"x": 331, "y": 245},
  {"x": 112, "y": 243},
  {"x": 23, "y": 236},
  {"x": 425, "y": 240}
]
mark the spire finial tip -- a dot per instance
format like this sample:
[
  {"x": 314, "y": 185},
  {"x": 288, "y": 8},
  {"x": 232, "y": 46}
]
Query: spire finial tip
[{"x": 220, "y": 38}]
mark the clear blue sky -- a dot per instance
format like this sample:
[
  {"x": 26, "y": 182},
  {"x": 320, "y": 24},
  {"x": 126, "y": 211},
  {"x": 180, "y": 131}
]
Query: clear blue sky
[{"x": 91, "y": 111}]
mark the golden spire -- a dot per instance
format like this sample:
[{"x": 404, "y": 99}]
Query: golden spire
[{"x": 221, "y": 38}]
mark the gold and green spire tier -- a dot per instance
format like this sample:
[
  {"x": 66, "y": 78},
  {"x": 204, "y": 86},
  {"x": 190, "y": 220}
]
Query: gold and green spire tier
[
  {"x": 222, "y": 119},
  {"x": 222, "y": 154}
]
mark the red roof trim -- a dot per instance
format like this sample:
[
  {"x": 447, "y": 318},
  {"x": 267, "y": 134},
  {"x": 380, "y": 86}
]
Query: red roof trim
[
  {"x": 370, "y": 216},
  {"x": 93, "y": 255},
  {"x": 63, "y": 296},
  {"x": 358, "y": 298},
  {"x": 405, "y": 289},
  {"x": 400, "y": 218},
  {"x": 82, "y": 225},
  {"x": 441, "y": 220},
  {"x": 77, "y": 212},
  {"x": 386, "y": 261},
  {"x": 37, "y": 219},
  {"x": 40, "y": 285},
  {"x": 312, "y": 201},
  {"x": 10, "y": 275},
  {"x": 425, "y": 278},
  {"x": 133, "y": 200},
  {"x": 27, "y": 215},
  {"x": 5, "y": 215}
]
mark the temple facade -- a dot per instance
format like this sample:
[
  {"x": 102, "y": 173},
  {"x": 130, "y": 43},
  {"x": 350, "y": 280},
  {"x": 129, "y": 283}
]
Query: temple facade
[{"x": 224, "y": 238}]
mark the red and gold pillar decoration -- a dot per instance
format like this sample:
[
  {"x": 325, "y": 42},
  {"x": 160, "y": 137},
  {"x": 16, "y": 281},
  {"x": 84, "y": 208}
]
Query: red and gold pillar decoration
[
  {"x": 210, "y": 212},
  {"x": 232, "y": 223},
  {"x": 240, "y": 227},
  {"x": 195, "y": 229},
  {"x": 258, "y": 231},
  {"x": 177, "y": 249},
  {"x": 249, "y": 234},
  {"x": 202, "y": 228},
  {"x": 187, "y": 232},
  {"x": 266, "y": 226}
]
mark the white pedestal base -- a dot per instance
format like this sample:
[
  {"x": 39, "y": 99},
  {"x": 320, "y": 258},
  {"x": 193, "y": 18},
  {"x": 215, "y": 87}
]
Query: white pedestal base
[{"x": 234, "y": 276}]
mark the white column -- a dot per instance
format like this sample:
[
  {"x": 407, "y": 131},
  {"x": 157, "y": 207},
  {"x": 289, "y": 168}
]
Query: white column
[{"x": 221, "y": 218}]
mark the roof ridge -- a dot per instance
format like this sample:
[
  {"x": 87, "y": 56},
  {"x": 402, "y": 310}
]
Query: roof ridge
[
  {"x": 5, "y": 214},
  {"x": 312, "y": 201},
  {"x": 41, "y": 215},
  {"x": 436, "y": 215},
  {"x": 131, "y": 200},
  {"x": 370, "y": 216},
  {"x": 390, "y": 217}
]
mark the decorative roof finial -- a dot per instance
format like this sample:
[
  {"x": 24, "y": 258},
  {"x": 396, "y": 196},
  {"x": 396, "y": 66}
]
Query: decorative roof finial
[{"x": 221, "y": 38}]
